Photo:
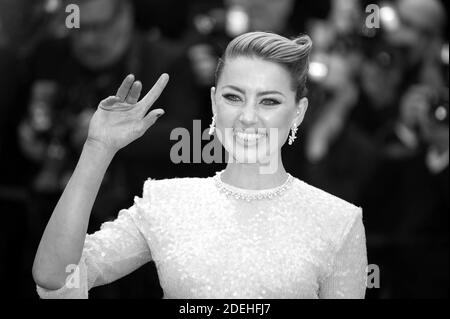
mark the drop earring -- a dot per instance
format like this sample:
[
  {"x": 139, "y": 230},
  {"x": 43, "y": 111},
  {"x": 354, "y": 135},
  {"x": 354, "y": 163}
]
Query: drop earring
[
  {"x": 212, "y": 126},
  {"x": 293, "y": 135}
]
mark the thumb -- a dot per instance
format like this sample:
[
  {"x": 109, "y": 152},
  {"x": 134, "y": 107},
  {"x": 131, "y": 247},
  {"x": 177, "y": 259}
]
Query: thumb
[{"x": 151, "y": 117}]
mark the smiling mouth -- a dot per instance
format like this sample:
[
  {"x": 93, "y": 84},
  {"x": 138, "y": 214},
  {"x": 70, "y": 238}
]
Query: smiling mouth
[{"x": 249, "y": 137}]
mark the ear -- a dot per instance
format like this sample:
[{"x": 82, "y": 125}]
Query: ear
[
  {"x": 300, "y": 110},
  {"x": 213, "y": 100}
]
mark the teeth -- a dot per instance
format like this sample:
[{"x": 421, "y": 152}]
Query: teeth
[{"x": 249, "y": 136}]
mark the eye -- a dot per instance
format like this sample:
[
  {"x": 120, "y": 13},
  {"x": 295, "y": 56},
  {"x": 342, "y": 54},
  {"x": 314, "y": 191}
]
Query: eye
[
  {"x": 232, "y": 98},
  {"x": 270, "y": 102}
]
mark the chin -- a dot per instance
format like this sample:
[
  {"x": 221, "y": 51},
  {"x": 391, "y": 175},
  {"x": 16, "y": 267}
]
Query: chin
[{"x": 245, "y": 156}]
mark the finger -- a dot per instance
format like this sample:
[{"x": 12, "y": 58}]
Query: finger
[
  {"x": 108, "y": 103},
  {"x": 150, "y": 98},
  {"x": 151, "y": 117},
  {"x": 115, "y": 104},
  {"x": 135, "y": 93},
  {"x": 125, "y": 87}
]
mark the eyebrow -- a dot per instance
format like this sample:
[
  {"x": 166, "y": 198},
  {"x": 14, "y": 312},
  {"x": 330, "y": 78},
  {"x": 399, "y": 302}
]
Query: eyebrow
[{"x": 259, "y": 94}]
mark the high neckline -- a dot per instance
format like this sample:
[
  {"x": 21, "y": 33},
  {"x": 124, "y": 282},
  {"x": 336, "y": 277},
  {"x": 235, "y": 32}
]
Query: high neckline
[{"x": 251, "y": 194}]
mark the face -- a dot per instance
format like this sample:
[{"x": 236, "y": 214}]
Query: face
[
  {"x": 416, "y": 19},
  {"x": 255, "y": 108},
  {"x": 104, "y": 34},
  {"x": 376, "y": 78}
]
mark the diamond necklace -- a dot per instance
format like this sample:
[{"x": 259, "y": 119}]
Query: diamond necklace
[{"x": 250, "y": 194}]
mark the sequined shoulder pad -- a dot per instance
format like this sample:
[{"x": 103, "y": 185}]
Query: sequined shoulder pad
[{"x": 335, "y": 215}]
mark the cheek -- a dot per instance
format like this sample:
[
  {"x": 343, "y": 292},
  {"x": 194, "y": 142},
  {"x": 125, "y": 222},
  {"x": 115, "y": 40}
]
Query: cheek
[
  {"x": 226, "y": 115},
  {"x": 279, "y": 119}
]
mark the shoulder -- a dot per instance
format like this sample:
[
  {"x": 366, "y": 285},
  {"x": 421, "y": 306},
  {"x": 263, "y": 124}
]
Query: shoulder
[
  {"x": 333, "y": 215},
  {"x": 324, "y": 200},
  {"x": 166, "y": 198}
]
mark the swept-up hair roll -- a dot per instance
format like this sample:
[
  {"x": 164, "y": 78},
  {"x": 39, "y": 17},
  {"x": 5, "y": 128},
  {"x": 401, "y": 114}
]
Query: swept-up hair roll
[{"x": 293, "y": 54}]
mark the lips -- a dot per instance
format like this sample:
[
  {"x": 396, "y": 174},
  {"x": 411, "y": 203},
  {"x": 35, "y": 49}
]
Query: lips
[{"x": 250, "y": 136}]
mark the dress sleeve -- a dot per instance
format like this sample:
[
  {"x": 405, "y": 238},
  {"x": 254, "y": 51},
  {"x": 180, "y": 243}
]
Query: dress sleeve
[
  {"x": 347, "y": 279},
  {"x": 114, "y": 251}
]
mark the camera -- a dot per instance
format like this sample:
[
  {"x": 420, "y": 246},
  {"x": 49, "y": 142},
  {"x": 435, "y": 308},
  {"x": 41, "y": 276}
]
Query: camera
[{"x": 438, "y": 110}]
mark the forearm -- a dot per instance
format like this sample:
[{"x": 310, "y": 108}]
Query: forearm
[
  {"x": 63, "y": 239},
  {"x": 118, "y": 121}
]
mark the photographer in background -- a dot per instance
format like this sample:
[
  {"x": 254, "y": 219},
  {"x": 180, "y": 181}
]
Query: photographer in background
[
  {"x": 351, "y": 64},
  {"x": 407, "y": 198},
  {"x": 418, "y": 28},
  {"x": 422, "y": 188},
  {"x": 358, "y": 79},
  {"x": 68, "y": 76},
  {"x": 335, "y": 65}
]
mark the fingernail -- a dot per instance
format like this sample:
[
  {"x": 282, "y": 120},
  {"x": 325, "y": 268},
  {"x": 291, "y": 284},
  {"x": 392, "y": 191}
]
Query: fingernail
[{"x": 159, "y": 114}]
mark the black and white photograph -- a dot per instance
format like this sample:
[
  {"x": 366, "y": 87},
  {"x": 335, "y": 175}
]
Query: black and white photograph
[{"x": 250, "y": 150}]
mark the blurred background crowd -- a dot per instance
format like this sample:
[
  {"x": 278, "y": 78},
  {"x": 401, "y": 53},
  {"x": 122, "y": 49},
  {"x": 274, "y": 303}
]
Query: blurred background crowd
[{"x": 376, "y": 132}]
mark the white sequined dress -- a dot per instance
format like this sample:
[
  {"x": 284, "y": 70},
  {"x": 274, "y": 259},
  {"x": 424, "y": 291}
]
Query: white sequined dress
[{"x": 208, "y": 242}]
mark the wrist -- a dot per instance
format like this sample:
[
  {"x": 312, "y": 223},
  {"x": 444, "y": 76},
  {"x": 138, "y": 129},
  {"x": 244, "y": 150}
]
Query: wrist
[{"x": 99, "y": 149}]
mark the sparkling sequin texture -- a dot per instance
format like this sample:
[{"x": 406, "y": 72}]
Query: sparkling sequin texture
[{"x": 301, "y": 243}]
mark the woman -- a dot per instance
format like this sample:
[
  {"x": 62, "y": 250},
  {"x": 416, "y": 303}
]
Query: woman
[{"x": 250, "y": 231}]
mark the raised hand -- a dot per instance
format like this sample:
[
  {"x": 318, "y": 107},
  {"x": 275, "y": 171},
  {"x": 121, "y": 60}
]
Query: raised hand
[{"x": 121, "y": 119}]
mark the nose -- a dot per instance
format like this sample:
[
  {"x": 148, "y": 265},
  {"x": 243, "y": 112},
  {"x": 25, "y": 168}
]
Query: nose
[{"x": 249, "y": 114}]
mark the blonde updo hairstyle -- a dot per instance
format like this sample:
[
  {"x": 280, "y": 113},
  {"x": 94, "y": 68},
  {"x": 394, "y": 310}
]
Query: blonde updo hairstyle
[{"x": 293, "y": 55}]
